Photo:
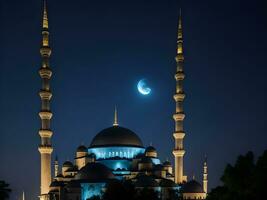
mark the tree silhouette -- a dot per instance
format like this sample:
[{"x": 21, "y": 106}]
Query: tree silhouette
[
  {"x": 147, "y": 194},
  {"x": 95, "y": 197},
  {"x": 243, "y": 181},
  {"x": 125, "y": 190},
  {"x": 4, "y": 190}
]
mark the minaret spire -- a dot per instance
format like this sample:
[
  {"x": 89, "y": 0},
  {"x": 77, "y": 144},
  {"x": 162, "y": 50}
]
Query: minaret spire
[
  {"x": 45, "y": 17},
  {"x": 115, "y": 117},
  {"x": 205, "y": 175},
  {"x": 45, "y": 132},
  {"x": 179, "y": 115}
]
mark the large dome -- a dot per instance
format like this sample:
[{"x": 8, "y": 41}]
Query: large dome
[
  {"x": 192, "y": 187},
  {"x": 116, "y": 136}
]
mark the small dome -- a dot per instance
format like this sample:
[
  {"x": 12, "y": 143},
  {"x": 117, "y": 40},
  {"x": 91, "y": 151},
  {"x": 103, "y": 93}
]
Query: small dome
[
  {"x": 151, "y": 152},
  {"x": 67, "y": 164},
  {"x": 94, "y": 172},
  {"x": 192, "y": 187},
  {"x": 167, "y": 163},
  {"x": 151, "y": 149},
  {"x": 116, "y": 136},
  {"x": 81, "y": 148},
  {"x": 146, "y": 181}
]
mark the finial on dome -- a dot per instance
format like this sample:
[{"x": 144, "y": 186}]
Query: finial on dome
[{"x": 115, "y": 117}]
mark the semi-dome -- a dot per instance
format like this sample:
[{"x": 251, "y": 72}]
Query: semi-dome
[
  {"x": 192, "y": 187},
  {"x": 116, "y": 136},
  {"x": 94, "y": 172}
]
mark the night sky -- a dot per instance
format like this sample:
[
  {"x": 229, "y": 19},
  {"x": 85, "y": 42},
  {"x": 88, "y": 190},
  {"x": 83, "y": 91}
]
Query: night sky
[{"x": 100, "y": 49}]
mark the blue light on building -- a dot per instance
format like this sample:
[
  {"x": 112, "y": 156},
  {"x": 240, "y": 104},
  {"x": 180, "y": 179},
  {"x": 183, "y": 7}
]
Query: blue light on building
[
  {"x": 91, "y": 189},
  {"x": 111, "y": 152}
]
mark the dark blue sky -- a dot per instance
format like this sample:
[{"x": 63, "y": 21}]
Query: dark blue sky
[{"x": 102, "y": 48}]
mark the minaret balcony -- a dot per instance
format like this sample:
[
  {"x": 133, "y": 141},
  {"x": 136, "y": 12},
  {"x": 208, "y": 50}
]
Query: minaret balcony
[
  {"x": 178, "y": 116},
  {"x": 179, "y": 135},
  {"x": 45, "y": 133},
  {"x": 45, "y": 95},
  {"x": 45, "y": 51},
  {"x": 45, "y": 115},
  {"x": 45, "y": 73},
  {"x": 179, "y": 76},
  {"x": 179, "y": 97},
  {"x": 45, "y": 149},
  {"x": 45, "y": 32},
  {"x": 178, "y": 152},
  {"x": 179, "y": 58}
]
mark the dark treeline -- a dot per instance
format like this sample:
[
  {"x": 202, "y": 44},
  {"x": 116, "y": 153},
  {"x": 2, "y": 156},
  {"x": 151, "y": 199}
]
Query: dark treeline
[
  {"x": 125, "y": 190},
  {"x": 4, "y": 190},
  {"x": 245, "y": 180}
]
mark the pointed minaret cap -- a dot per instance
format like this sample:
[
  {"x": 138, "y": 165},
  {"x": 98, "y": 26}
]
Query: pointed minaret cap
[
  {"x": 180, "y": 19},
  {"x": 180, "y": 38},
  {"x": 45, "y": 17},
  {"x": 205, "y": 160},
  {"x": 115, "y": 117}
]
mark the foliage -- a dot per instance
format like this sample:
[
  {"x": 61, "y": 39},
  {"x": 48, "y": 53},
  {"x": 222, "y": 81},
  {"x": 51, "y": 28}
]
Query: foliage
[
  {"x": 118, "y": 190},
  {"x": 94, "y": 198},
  {"x": 146, "y": 193},
  {"x": 245, "y": 180},
  {"x": 4, "y": 190}
]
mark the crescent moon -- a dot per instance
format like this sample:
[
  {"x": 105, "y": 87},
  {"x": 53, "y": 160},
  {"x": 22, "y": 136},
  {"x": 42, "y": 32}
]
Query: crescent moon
[{"x": 142, "y": 87}]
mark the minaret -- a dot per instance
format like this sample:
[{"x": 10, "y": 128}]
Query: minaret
[
  {"x": 205, "y": 176},
  {"x": 56, "y": 166},
  {"x": 115, "y": 117},
  {"x": 179, "y": 115},
  {"x": 45, "y": 148}
]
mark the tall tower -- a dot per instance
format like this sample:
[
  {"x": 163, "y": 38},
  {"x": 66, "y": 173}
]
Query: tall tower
[
  {"x": 56, "y": 167},
  {"x": 45, "y": 148},
  {"x": 179, "y": 115},
  {"x": 205, "y": 176}
]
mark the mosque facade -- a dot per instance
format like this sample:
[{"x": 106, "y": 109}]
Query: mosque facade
[{"x": 116, "y": 152}]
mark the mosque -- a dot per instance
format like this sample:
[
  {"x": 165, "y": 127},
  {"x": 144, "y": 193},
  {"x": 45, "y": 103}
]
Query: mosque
[{"x": 115, "y": 153}]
